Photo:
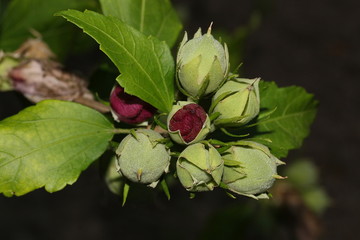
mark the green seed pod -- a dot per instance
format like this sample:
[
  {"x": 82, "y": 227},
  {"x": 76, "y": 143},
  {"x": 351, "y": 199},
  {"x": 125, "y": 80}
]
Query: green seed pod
[
  {"x": 202, "y": 64},
  {"x": 200, "y": 167},
  {"x": 237, "y": 101},
  {"x": 188, "y": 123},
  {"x": 250, "y": 169},
  {"x": 142, "y": 157}
]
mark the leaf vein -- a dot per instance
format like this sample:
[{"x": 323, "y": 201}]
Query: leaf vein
[
  {"x": 53, "y": 143},
  {"x": 58, "y": 119},
  {"x": 282, "y": 117},
  {"x": 142, "y": 15},
  {"x": 158, "y": 34}
]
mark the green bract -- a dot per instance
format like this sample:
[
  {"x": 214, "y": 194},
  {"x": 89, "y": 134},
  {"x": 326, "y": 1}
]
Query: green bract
[
  {"x": 113, "y": 178},
  {"x": 237, "y": 101},
  {"x": 250, "y": 169},
  {"x": 202, "y": 64},
  {"x": 142, "y": 157},
  {"x": 192, "y": 123},
  {"x": 200, "y": 167}
]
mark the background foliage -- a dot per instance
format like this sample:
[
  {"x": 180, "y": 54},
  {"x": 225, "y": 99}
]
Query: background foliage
[{"x": 22, "y": 18}]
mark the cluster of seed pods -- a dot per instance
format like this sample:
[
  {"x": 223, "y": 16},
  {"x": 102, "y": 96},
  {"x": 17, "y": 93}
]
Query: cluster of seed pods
[{"x": 242, "y": 167}]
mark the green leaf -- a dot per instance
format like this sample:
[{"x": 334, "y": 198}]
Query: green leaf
[
  {"x": 22, "y": 16},
  {"x": 49, "y": 145},
  {"x": 290, "y": 123},
  {"x": 146, "y": 64},
  {"x": 155, "y": 17}
]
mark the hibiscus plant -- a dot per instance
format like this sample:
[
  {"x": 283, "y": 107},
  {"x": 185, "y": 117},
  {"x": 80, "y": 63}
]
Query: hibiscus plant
[{"x": 184, "y": 114}]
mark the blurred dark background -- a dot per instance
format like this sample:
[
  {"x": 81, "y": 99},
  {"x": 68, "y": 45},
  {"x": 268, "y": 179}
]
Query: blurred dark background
[{"x": 313, "y": 44}]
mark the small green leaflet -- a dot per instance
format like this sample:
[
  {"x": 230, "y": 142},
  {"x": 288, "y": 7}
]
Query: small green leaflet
[
  {"x": 146, "y": 64},
  {"x": 49, "y": 145},
  {"x": 290, "y": 123},
  {"x": 151, "y": 17}
]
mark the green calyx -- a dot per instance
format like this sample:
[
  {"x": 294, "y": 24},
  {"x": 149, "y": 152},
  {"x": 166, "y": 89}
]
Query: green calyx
[
  {"x": 255, "y": 172},
  {"x": 142, "y": 157},
  {"x": 202, "y": 64},
  {"x": 199, "y": 167},
  {"x": 237, "y": 102}
]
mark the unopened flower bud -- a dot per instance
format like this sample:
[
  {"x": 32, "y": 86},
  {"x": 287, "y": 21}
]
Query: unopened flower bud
[
  {"x": 188, "y": 123},
  {"x": 142, "y": 157},
  {"x": 202, "y": 64},
  {"x": 237, "y": 101},
  {"x": 199, "y": 167},
  {"x": 128, "y": 108},
  {"x": 250, "y": 170}
]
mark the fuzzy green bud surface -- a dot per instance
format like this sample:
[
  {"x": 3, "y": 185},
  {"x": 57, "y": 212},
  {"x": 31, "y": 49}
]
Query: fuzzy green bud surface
[
  {"x": 142, "y": 157},
  {"x": 250, "y": 170},
  {"x": 199, "y": 167},
  {"x": 188, "y": 123},
  {"x": 202, "y": 64},
  {"x": 237, "y": 101}
]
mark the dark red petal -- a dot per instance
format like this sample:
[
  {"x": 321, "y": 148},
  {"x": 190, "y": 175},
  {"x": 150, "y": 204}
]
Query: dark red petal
[
  {"x": 128, "y": 108},
  {"x": 189, "y": 120}
]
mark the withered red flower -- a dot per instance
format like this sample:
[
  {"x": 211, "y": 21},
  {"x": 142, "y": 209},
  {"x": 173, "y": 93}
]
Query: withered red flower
[
  {"x": 128, "y": 108},
  {"x": 189, "y": 120}
]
